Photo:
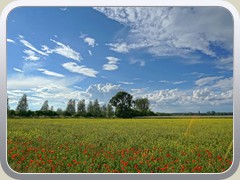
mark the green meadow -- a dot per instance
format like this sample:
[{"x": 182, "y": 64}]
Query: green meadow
[{"x": 176, "y": 145}]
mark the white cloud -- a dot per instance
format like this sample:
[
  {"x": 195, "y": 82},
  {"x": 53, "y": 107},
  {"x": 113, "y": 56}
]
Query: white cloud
[
  {"x": 103, "y": 92},
  {"x": 18, "y": 70},
  {"x": 195, "y": 74},
  {"x": 90, "y": 52},
  {"x": 112, "y": 64},
  {"x": 63, "y": 50},
  {"x": 30, "y": 46},
  {"x": 10, "y": 41},
  {"x": 179, "y": 82},
  {"x": 163, "y": 81},
  {"x": 50, "y": 73},
  {"x": 110, "y": 67},
  {"x": 90, "y": 41},
  {"x": 174, "y": 100},
  {"x": 207, "y": 80},
  {"x": 125, "y": 82},
  {"x": 63, "y": 9},
  {"x": 172, "y": 31},
  {"x": 38, "y": 89},
  {"x": 31, "y": 55},
  {"x": 225, "y": 63},
  {"x": 172, "y": 82},
  {"x": 73, "y": 67},
  {"x": 225, "y": 84},
  {"x": 119, "y": 47},
  {"x": 138, "y": 61}
]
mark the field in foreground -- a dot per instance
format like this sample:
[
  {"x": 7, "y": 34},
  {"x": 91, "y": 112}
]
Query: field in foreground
[{"x": 120, "y": 145}]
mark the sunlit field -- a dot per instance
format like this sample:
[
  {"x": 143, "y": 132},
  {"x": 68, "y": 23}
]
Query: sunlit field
[{"x": 193, "y": 145}]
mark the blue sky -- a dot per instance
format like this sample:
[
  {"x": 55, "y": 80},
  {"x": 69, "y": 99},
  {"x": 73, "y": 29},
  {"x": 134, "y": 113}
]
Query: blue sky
[{"x": 179, "y": 58}]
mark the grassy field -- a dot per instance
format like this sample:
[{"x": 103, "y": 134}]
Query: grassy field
[{"x": 191, "y": 145}]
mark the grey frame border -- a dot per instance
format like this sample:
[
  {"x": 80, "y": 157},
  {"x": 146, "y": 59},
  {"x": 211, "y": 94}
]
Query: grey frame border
[{"x": 52, "y": 3}]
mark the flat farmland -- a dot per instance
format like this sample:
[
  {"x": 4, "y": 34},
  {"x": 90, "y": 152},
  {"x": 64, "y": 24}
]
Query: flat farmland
[{"x": 176, "y": 145}]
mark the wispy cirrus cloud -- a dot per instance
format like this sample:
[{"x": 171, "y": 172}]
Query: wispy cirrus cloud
[
  {"x": 18, "y": 70},
  {"x": 207, "y": 80},
  {"x": 125, "y": 82},
  {"x": 179, "y": 82},
  {"x": 172, "y": 82},
  {"x": 73, "y": 67},
  {"x": 11, "y": 41},
  {"x": 112, "y": 64},
  {"x": 224, "y": 63},
  {"x": 63, "y": 50},
  {"x": 90, "y": 52},
  {"x": 30, "y": 46},
  {"x": 138, "y": 61},
  {"x": 31, "y": 55},
  {"x": 50, "y": 73}
]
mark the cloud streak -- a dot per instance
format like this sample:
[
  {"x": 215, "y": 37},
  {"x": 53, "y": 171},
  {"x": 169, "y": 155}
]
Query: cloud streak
[
  {"x": 18, "y": 70},
  {"x": 73, "y": 67},
  {"x": 50, "y": 73},
  {"x": 30, "y": 46},
  {"x": 63, "y": 50},
  {"x": 31, "y": 55},
  {"x": 112, "y": 64}
]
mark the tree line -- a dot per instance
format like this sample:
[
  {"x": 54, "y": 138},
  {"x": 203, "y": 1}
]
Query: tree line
[{"x": 121, "y": 105}]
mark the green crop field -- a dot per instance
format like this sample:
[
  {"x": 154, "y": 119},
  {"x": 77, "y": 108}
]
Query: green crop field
[{"x": 193, "y": 145}]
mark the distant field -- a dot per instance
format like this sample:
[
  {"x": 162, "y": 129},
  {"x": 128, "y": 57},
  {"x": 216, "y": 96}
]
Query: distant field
[{"x": 120, "y": 145}]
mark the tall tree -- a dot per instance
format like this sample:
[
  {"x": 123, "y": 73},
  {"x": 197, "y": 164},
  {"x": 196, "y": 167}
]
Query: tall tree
[
  {"x": 22, "y": 104},
  {"x": 45, "y": 106},
  {"x": 122, "y": 102},
  {"x": 104, "y": 110},
  {"x": 142, "y": 104},
  {"x": 110, "y": 112},
  {"x": 96, "y": 109},
  {"x": 81, "y": 108},
  {"x": 90, "y": 109},
  {"x": 71, "y": 107}
]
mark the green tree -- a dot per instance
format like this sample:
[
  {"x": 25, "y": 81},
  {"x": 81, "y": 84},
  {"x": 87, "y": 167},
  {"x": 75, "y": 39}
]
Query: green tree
[
  {"x": 122, "y": 102},
  {"x": 22, "y": 104},
  {"x": 71, "y": 107},
  {"x": 142, "y": 104},
  {"x": 59, "y": 111},
  {"x": 90, "y": 109},
  {"x": 45, "y": 106},
  {"x": 81, "y": 108},
  {"x": 110, "y": 112},
  {"x": 104, "y": 110},
  {"x": 96, "y": 109}
]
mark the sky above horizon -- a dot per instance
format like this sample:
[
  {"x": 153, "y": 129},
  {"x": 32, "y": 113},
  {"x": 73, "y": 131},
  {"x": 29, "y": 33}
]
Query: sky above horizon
[{"x": 180, "y": 58}]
